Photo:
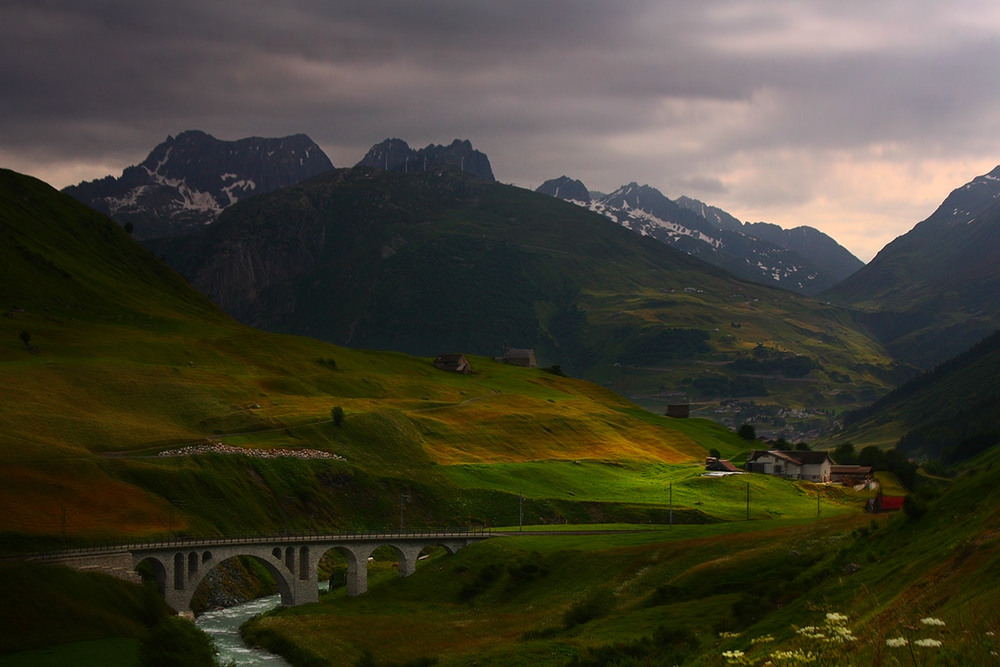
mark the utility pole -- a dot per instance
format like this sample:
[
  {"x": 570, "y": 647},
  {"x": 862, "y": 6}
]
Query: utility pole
[
  {"x": 402, "y": 498},
  {"x": 671, "y": 504},
  {"x": 748, "y": 501},
  {"x": 520, "y": 511}
]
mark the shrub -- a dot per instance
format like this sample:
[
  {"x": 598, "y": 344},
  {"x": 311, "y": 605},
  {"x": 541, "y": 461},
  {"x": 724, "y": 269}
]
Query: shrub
[
  {"x": 914, "y": 506},
  {"x": 338, "y": 415},
  {"x": 176, "y": 642},
  {"x": 599, "y": 603},
  {"x": 483, "y": 580}
]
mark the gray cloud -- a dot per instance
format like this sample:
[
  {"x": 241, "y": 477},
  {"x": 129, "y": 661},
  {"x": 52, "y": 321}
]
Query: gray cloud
[{"x": 761, "y": 107}]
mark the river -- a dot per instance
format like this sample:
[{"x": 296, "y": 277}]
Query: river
[{"x": 224, "y": 627}]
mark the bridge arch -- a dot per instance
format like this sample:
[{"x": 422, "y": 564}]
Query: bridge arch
[
  {"x": 277, "y": 573},
  {"x": 179, "y": 572}
]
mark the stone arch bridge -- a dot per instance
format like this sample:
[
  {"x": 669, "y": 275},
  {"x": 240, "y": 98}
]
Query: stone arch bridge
[{"x": 180, "y": 565}]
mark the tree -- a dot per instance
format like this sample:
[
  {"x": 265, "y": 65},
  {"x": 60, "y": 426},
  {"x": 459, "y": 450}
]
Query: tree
[
  {"x": 715, "y": 453},
  {"x": 129, "y": 228},
  {"x": 25, "y": 338},
  {"x": 844, "y": 454},
  {"x": 747, "y": 432},
  {"x": 872, "y": 456},
  {"x": 338, "y": 415}
]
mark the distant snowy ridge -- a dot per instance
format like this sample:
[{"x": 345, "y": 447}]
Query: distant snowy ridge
[{"x": 794, "y": 259}]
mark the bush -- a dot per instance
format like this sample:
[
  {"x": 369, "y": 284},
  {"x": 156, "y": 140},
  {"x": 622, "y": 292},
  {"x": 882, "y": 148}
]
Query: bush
[
  {"x": 338, "y": 415},
  {"x": 490, "y": 573},
  {"x": 176, "y": 642},
  {"x": 914, "y": 506},
  {"x": 599, "y": 603}
]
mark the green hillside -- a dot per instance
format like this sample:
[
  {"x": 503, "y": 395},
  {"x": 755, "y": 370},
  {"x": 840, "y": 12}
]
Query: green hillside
[
  {"x": 836, "y": 591},
  {"x": 439, "y": 261},
  {"x": 951, "y": 412}
]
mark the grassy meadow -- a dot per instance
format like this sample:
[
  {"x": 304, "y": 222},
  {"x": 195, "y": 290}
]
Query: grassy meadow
[{"x": 844, "y": 589}]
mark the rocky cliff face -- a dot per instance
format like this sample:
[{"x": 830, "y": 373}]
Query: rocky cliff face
[
  {"x": 396, "y": 155},
  {"x": 249, "y": 259},
  {"x": 188, "y": 180}
]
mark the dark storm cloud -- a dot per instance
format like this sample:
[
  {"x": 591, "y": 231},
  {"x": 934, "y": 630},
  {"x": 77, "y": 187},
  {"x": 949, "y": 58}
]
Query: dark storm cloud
[{"x": 761, "y": 106}]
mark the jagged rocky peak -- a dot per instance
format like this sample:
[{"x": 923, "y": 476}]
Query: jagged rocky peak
[
  {"x": 566, "y": 188},
  {"x": 634, "y": 195},
  {"x": 711, "y": 213},
  {"x": 187, "y": 180},
  {"x": 396, "y": 155}
]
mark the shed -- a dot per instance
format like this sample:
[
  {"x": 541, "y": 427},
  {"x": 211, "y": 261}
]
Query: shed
[
  {"x": 851, "y": 474},
  {"x": 679, "y": 410},
  {"x": 519, "y": 357},
  {"x": 719, "y": 465},
  {"x": 881, "y": 503},
  {"x": 455, "y": 363}
]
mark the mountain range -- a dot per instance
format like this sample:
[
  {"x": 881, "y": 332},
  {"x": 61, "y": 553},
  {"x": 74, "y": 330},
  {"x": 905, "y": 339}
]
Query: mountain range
[
  {"x": 928, "y": 295},
  {"x": 186, "y": 181},
  {"x": 803, "y": 259}
]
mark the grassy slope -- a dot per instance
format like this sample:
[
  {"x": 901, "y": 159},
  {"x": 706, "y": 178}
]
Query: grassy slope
[
  {"x": 955, "y": 400},
  {"x": 46, "y": 603},
  {"x": 505, "y": 602}
]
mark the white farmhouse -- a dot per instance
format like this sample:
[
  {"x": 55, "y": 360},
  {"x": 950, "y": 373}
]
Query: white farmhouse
[{"x": 809, "y": 466}]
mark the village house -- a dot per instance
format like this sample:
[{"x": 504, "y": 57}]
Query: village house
[
  {"x": 515, "y": 357},
  {"x": 455, "y": 363},
  {"x": 809, "y": 466}
]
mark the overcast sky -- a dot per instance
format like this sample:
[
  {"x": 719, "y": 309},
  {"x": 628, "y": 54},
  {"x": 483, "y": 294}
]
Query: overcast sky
[{"x": 855, "y": 117}]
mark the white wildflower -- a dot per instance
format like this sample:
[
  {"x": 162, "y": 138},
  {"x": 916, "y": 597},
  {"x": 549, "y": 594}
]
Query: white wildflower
[
  {"x": 734, "y": 657},
  {"x": 729, "y": 635},
  {"x": 762, "y": 640},
  {"x": 927, "y": 643},
  {"x": 796, "y": 656},
  {"x": 896, "y": 642},
  {"x": 834, "y": 617},
  {"x": 842, "y": 635},
  {"x": 931, "y": 621}
]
